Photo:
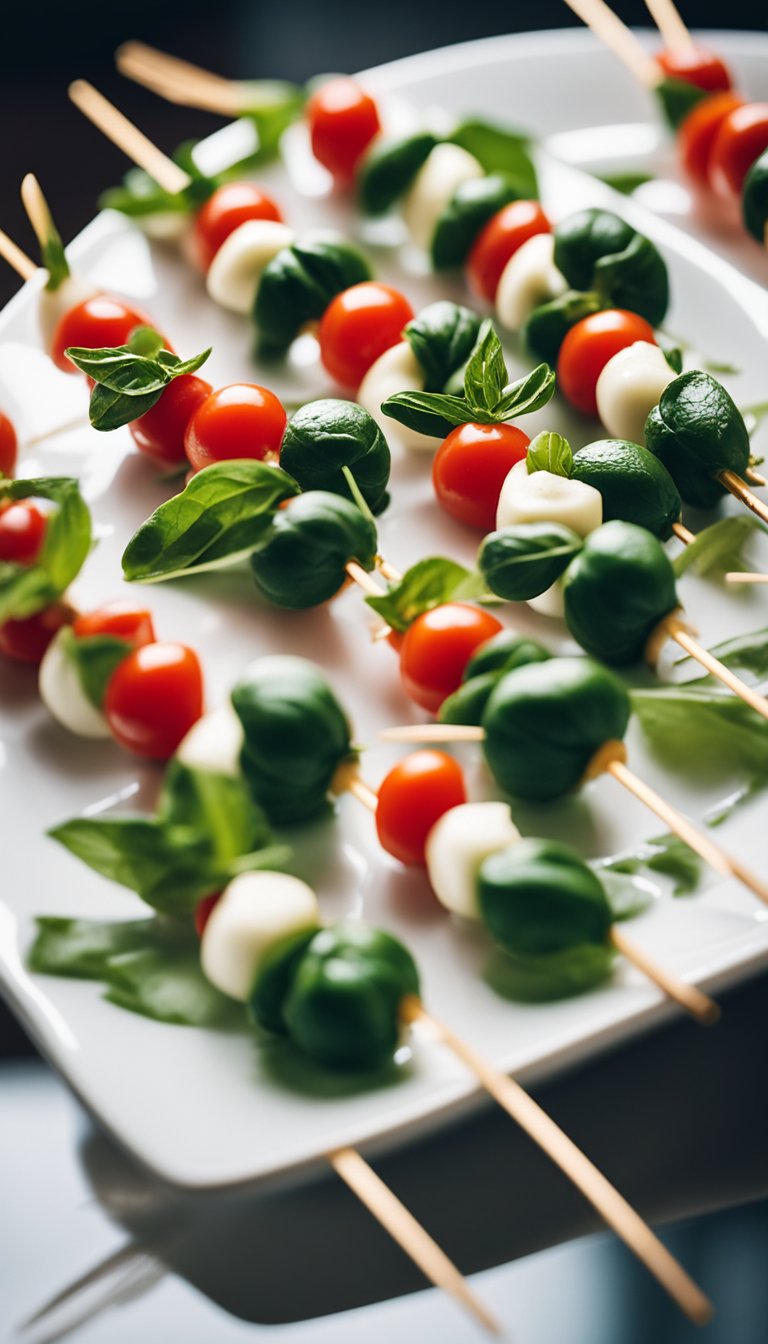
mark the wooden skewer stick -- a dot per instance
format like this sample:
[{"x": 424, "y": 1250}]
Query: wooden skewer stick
[
  {"x": 741, "y": 491},
  {"x": 179, "y": 81},
  {"x": 689, "y": 997},
  {"x": 407, "y": 1232},
  {"x": 363, "y": 579},
  {"x": 17, "y": 260},
  {"x": 613, "y": 1208},
  {"x": 683, "y": 533},
  {"x": 38, "y": 211},
  {"x": 128, "y": 137},
  {"x": 673, "y": 628},
  {"x": 388, "y": 571},
  {"x": 608, "y": 27},
  {"x": 745, "y": 576},
  {"x": 754, "y": 477},
  {"x": 667, "y": 18}
]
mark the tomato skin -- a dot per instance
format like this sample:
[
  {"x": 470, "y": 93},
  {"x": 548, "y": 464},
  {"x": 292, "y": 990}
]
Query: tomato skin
[
  {"x": 153, "y": 698},
  {"x": 8, "y": 446},
  {"x": 501, "y": 237},
  {"x": 695, "y": 65},
  {"x": 437, "y": 647},
  {"x": 587, "y": 348},
  {"x": 696, "y": 134},
  {"x": 96, "y": 323},
  {"x": 26, "y": 641},
  {"x": 22, "y": 532},
  {"x": 412, "y": 797},
  {"x": 204, "y": 910},
  {"x": 230, "y": 205},
  {"x": 358, "y": 325},
  {"x": 342, "y": 119},
  {"x": 159, "y": 434},
  {"x": 240, "y": 420},
  {"x": 741, "y": 138},
  {"x": 121, "y": 618},
  {"x": 470, "y": 467}
]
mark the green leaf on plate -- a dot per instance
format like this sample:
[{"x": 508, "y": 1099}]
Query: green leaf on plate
[
  {"x": 95, "y": 658},
  {"x": 550, "y": 452},
  {"x": 499, "y": 149},
  {"x": 26, "y": 589},
  {"x": 719, "y": 549},
  {"x": 425, "y": 585}
]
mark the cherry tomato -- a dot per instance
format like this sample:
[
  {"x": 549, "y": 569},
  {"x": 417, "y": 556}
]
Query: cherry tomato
[
  {"x": 504, "y": 233},
  {"x": 94, "y": 324},
  {"x": 160, "y": 431},
  {"x": 121, "y": 618},
  {"x": 241, "y": 420},
  {"x": 741, "y": 138},
  {"x": 231, "y": 205},
  {"x": 8, "y": 446},
  {"x": 343, "y": 120},
  {"x": 695, "y": 65},
  {"x": 22, "y": 532},
  {"x": 587, "y": 348},
  {"x": 438, "y": 646},
  {"x": 412, "y": 797},
  {"x": 697, "y": 132},
  {"x": 358, "y": 326},
  {"x": 153, "y": 698},
  {"x": 203, "y": 911},
  {"x": 470, "y": 467},
  {"x": 26, "y": 641}
]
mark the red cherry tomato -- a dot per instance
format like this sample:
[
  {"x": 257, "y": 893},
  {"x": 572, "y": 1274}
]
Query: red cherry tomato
[
  {"x": 342, "y": 120},
  {"x": 231, "y": 205},
  {"x": 741, "y": 138},
  {"x": 470, "y": 467},
  {"x": 358, "y": 326},
  {"x": 22, "y": 532},
  {"x": 412, "y": 797},
  {"x": 153, "y": 698},
  {"x": 437, "y": 647},
  {"x": 695, "y": 65},
  {"x": 159, "y": 433},
  {"x": 203, "y": 911},
  {"x": 504, "y": 233},
  {"x": 8, "y": 446},
  {"x": 696, "y": 134},
  {"x": 121, "y": 618},
  {"x": 241, "y": 420},
  {"x": 94, "y": 324},
  {"x": 587, "y": 348},
  {"x": 26, "y": 641}
]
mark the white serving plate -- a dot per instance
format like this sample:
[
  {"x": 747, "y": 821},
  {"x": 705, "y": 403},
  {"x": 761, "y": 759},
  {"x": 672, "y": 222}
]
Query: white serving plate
[{"x": 208, "y": 1109}]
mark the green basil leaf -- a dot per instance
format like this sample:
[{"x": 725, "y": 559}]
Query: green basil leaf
[
  {"x": 95, "y": 658},
  {"x": 120, "y": 370},
  {"x": 388, "y": 170},
  {"x": 442, "y": 337},
  {"x": 530, "y": 393},
  {"x": 745, "y": 654},
  {"x": 664, "y": 854},
  {"x": 140, "y": 196},
  {"x": 298, "y": 284},
  {"x": 545, "y": 330},
  {"x": 179, "y": 367},
  {"x": 25, "y": 589},
  {"x": 720, "y": 548},
  {"x": 108, "y": 410},
  {"x": 635, "y": 278},
  {"x": 169, "y": 867},
  {"x": 518, "y": 563},
  {"x": 146, "y": 341},
  {"x": 217, "y": 519},
  {"x": 550, "y": 452},
  {"x": 557, "y": 975},
  {"x": 433, "y": 412},
  {"x": 469, "y": 209},
  {"x": 486, "y": 373},
  {"x": 703, "y": 732},
  {"x": 427, "y": 584},
  {"x": 678, "y": 97},
  {"x": 499, "y": 150},
  {"x": 217, "y": 806}
]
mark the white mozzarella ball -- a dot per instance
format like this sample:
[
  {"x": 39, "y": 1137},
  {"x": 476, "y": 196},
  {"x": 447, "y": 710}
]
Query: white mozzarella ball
[
  {"x": 255, "y": 911},
  {"x": 62, "y": 693},
  {"x": 53, "y": 304},
  {"x": 629, "y": 387},
  {"x": 397, "y": 370},
  {"x": 458, "y": 844},
  {"x": 213, "y": 743},
  {"x": 444, "y": 170},
  {"x": 234, "y": 274},
  {"x": 529, "y": 278},
  {"x": 164, "y": 226}
]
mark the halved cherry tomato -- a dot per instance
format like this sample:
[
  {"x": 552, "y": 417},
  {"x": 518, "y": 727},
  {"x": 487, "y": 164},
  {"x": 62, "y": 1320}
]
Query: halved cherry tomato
[
  {"x": 26, "y": 641},
  {"x": 470, "y": 467},
  {"x": 412, "y": 797},
  {"x": 159, "y": 433},
  {"x": 437, "y": 647},
  {"x": 8, "y": 446},
  {"x": 504, "y": 233},
  {"x": 22, "y": 532},
  {"x": 741, "y": 138},
  {"x": 587, "y": 348},
  {"x": 232, "y": 204},
  {"x": 696, "y": 134},
  {"x": 358, "y": 326},
  {"x": 204, "y": 910},
  {"x": 695, "y": 65},
  {"x": 241, "y": 420},
  {"x": 153, "y": 698},
  {"x": 121, "y": 618},
  {"x": 96, "y": 323},
  {"x": 343, "y": 120}
]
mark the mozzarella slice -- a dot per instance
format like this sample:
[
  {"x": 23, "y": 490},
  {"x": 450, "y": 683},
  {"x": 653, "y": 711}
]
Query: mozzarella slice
[
  {"x": 53, "y": 304},
  {"x": 529, "y": 278},
  {"x": 234, "y": 274},
  {"x": 629, "y": 387},
  {"x": 444, "y": 170},
  {"x": 397, "y": 370},
  {"x": 214, "y": 743},
  {"x": 255, "y": 911},
  {"x": 457, "y": 845},
  {"x": 62, "y": 693}
]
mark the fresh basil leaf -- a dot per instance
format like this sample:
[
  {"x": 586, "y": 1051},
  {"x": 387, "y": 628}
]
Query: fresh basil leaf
[
  {"x": 545, "y": 330},
  {"x": 672, "y": 351},
  {"x": 518, "y": 563},
  {"x": 140, "y": 196},
  {"x": 678, "y": 97},
  {"x": 130, "y": 379},
  {"x": 427, "y": 584},
  {"x": 442, "y": 337},
  {"x": 550, "y": 452},
  {"x": 559, "y": 975},
  {"x": 663, "y": 854},
  {"x": 471, "y": 206},
  {"x": 528, "y": 394},
  {"x": 745, "y": 654},
  {"x": 169, "y": 867},
  {"x": 217, "y": 806},
  {"x": 53, "y": 257},
  {"x": 433, "y": 413},
  {"x": 178, "y": 367},
  {"x": 120, "y": 370},
  {"x": 146, "y": 341},
  {"x": 216, "y": 520},
  {"x": 437, "y": 413},
  {"x": 486, "y": 374},
  {"x": 719, "y": 549},
  {"x": 108, "y": 410},
  {"x": 388, "y": 170},
  {"x": 25, "y": 589},
  {"x": 95, "y": 658},
  {"x": 499, "y": 150},
  {"x": 703, "y": 732},
  {"x": 627, "y": 897},
  {"x": 635, "y": 278}
]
